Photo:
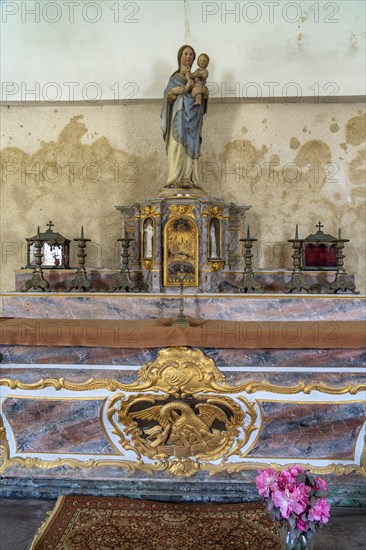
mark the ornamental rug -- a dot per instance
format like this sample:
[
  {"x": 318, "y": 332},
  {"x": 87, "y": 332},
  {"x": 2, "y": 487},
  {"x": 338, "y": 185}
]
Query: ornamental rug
[{"x": 116, "y": 523}]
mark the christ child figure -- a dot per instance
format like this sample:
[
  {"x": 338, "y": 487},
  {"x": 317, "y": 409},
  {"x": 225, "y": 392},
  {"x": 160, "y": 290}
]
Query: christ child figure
[{"x": 197, "y": 79}]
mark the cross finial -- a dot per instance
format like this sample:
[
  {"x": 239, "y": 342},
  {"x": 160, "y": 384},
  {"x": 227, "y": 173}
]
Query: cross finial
[
  {"x": 319, "y": 226},
  {"x": 50, "y": 225}
]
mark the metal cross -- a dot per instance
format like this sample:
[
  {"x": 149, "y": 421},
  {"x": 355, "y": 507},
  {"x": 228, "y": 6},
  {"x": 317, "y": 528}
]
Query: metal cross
[
  {"x": 319, "y": 226},
  {"x": 50, "y": 224}
]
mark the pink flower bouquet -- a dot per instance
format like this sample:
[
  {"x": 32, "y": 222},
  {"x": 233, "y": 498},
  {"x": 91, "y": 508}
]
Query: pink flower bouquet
[{"x": 296, "y": 496}]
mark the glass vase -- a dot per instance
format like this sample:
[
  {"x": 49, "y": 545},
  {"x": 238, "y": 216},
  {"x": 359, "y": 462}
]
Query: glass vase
[{"x": 300, "y": 541}]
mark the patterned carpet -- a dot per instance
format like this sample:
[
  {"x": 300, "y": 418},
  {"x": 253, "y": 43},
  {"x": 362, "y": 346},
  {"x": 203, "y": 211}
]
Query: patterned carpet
[{"x": 112, "y": 523}]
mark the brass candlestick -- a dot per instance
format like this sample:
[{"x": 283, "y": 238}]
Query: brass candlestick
[
  {"x": 37, "y": 281},
  {"x": 297, "y": 282},
  {"x": 181, "y": 320},
  {"x": 248, "y": 282},
  {"x": 341, "y": 281},
  {"x": 124, "y": 283},
  {"x": 81, "y": 281}
]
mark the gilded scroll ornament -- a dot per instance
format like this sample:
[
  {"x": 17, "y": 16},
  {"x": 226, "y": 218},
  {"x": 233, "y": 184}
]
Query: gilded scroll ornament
[
  {"x": 181, "y": 370},
  {"x": 216, "y": 265},
  {"x": 147, "y": 263},
  {"x": 4, "y": 448},
  {"x": 182, "y": 210},
  {"x": 149, "y": 212},
  {"x": 215, "y": 211}
]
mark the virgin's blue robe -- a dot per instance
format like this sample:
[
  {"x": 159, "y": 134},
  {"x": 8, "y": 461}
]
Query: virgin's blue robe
[{"x": 183, "y": 118}]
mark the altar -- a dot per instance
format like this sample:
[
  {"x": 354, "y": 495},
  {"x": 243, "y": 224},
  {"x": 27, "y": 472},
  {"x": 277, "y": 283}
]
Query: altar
[
  {"x": 178, "y": 367},
  {"x": 91, "y": 386}
]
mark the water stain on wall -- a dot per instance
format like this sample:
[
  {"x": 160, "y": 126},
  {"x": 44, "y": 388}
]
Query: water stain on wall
[
  {"x": 74, "y": 183},
  {"x": 356, "y": 130},
  {"x": 314, "y": 152},
  {"x": 247, "y": 151},
  {"x": 357, "y": 172},
  {"x": 284, "y": 188},
  {"x": 294, "y": 143},
  {"x": 353, "y": 46}
]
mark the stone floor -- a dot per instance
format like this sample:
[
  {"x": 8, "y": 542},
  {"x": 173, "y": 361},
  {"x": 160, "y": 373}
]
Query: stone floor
[{"x": 20, "y": 519}]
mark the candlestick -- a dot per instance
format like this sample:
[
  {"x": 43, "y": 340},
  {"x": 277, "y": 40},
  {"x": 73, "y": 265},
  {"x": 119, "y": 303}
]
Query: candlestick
[
  {"x": 124, "y": 283},
  {"x": 297, "y": 282},
  {"x": 81, "y": 281},
  {"x": 181, "y": 320},
  {"x": 341, "y": 282},
  {"x": 37, "y": 281},
  {"x": 248, "y": 283}
]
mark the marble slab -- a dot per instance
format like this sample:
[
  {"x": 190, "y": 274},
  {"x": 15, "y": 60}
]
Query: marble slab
[
  {"x": 325, "y": 430},
  {"x": 286, "y": 358},
  {"x": 57, "y": 425},
  {"x": 233, "y": 307}
]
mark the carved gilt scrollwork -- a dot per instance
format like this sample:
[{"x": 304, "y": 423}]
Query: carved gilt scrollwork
[
  {"x": 161, "y": 427},
  {"x": 182, "y": 210},
  {"x": 186, "y": 425}
]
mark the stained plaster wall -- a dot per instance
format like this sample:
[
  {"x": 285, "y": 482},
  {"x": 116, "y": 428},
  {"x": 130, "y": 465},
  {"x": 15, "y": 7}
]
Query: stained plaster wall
[{"x": 87, "y": 159}]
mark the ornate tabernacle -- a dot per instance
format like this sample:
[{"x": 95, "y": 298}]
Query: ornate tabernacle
[{"x": 184, "y": 231}]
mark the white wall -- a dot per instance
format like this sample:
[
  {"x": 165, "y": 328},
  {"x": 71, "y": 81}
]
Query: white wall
[{"x": 128, "y": 49}]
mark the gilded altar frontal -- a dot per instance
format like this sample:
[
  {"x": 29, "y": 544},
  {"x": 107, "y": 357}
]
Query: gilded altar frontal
[{"x": 180, "y": 416}]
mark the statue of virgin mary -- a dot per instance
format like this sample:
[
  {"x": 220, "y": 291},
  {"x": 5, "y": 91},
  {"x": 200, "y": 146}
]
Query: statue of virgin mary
[{"x": 181, "y": 122}]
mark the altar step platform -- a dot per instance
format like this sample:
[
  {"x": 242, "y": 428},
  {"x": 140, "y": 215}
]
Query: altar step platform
[{"x": 77, "y": 369}]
